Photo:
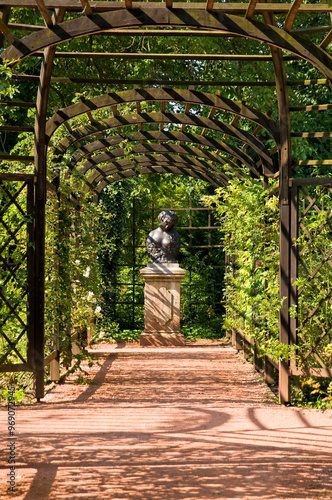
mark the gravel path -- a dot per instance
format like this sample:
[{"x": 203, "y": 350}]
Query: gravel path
[{"x": 169, "y": 423}]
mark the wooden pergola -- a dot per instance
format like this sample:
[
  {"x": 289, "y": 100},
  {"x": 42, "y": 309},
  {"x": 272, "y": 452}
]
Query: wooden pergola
[{"x": 182, "y": 151}]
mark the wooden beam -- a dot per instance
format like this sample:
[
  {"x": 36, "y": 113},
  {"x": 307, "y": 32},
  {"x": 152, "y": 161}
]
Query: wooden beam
[
  {"x": 161, "y": 57},
  {"x": 6, "y": 32},
  {"x": 18, "y": 104},
  {"x": 86, "y": 8},
  {"x": 209, "y": 5},
  {"x": 312, "y": 107},
  {"x": 172, "y": 83},
  {"x": 327, "y": 40},
  {"x": 291, "y": 14},
  {"x": 23, "y": 159},
  {"x": 169, "y": 4},
  {"x": 251, "y": 9},
  {"x": 128, "y": 4},
  {"x": 163, "y": 94},
  {"x": 44, "y": 12}
]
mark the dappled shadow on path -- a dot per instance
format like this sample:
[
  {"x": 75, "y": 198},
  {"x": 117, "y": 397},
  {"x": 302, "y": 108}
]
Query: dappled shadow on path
[{"x": 172, "y": 426}]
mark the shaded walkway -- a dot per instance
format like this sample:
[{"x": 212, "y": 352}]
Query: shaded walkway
[{"x": 170, "y": 424}]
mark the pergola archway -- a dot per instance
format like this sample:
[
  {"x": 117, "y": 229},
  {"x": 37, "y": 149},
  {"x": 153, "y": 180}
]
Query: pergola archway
[{"x": 175, "y": 144}]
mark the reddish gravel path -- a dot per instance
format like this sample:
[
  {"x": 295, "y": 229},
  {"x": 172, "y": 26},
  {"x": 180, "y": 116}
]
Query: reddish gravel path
[{"x": 181, "y": 423}]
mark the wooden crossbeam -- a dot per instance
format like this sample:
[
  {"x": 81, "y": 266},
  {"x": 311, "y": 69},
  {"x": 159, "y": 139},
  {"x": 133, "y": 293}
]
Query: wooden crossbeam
[
  {"x": 311, "y": 134},
  {"x": 312, "y": 107},
  {"x": 161, "y": 57},
  {"x": 6, "y": 32},
  {"x": 86, "y": 8},
  {"x": 291, "y": 14},
  {"x": 251, "y": 9},
  {"x": 44, "y": 12}
]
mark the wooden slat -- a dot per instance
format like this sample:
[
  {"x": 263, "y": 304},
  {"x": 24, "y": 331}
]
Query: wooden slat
[
  {"x": 24, "y": 159},
  {"x": 86, "y": 8},
  {"x": 17, "y": 177},
  {"x": 44, "y": 12},
  {"x": 18, "y": 104},
  {"x": 160, "y": 57},
  {"x": 311, "y": 372},
  {"x": 291, "y": 14},
  {"x": 50, "y": 357},
  {"x": 312, "y": 107},
  {"x": 209, "y": 5},
  {"x": 251, "y": 9},
  {"x": 327, "y": 40},
  {"x": 311, "y": 134},
  {"x": 19, "y": 367},
  {"x": 12, "y": 128},
  {"x": 6, "y": 31}
]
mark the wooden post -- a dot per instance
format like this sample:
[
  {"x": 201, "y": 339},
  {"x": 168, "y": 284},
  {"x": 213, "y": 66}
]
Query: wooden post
[{"x": 40, "y": 202}]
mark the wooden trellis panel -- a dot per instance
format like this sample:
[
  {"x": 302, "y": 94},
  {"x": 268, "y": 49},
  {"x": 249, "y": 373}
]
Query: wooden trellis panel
[
  {"x": 16, "y": 272},
  {"x": 311, "y": 276}
]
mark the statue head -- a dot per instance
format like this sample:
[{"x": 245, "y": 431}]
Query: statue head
[{"x": 167, "y": 219}]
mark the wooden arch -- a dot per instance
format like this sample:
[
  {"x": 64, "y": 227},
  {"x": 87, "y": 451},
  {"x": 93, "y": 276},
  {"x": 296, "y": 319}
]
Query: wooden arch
[{"x": 195, "y": 18}]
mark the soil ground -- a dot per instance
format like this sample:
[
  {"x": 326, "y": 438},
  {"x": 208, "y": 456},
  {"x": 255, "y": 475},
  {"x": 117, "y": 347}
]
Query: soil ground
[{"x": 168, "y": 423}]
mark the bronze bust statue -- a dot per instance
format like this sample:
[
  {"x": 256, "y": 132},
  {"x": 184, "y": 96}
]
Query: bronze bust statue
[{"x": 163, "y": 243}]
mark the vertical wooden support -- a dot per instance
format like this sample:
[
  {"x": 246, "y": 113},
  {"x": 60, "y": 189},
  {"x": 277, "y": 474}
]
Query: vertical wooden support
[
  {"x": 31, "y": 271},
  {"x": 40, "y": 202},
  {"x": 257, "y": 361},
  {"x": 284, "y": 388},
  {"x": 293, "y": 297},
  {"x": 285, "y": 174},
  {"x": 268, "y": 371}
]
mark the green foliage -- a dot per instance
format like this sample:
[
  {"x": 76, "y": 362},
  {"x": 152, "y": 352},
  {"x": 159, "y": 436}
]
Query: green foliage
[
  {"x": 313, "y": 392},
  {"x": 249, "y": 218}
]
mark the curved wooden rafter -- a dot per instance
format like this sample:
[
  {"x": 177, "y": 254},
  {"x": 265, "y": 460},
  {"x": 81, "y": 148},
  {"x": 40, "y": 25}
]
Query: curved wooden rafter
[
  {"x": 194, "y": 18},
  {"x": 118, "y": 166},
  {"x": 179, "y": 119},
  {"x": 184, "y": 165},
  {"x": 128, "y": 120},
  {"x": 158, "y": 169},
  {"x": 162, "y": 95},
  {"x": 186, "y": 138}
]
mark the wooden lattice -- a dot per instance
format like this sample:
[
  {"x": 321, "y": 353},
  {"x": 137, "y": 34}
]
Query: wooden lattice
[
  {"x": 16, "y": 250},
  {"x": 312, "y": 277}
]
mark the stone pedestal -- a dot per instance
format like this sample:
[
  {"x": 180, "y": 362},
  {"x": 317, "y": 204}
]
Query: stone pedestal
[{"x": 162, "y": 305}]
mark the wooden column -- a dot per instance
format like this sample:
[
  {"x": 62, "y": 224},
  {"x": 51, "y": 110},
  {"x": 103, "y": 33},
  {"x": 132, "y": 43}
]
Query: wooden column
[
  {"x": 284, "y": 240},
  {"x": 40, "y": 201},
  {"x": 285, "y": 174}
]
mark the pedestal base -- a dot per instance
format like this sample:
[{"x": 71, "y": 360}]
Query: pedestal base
[{"x": 161, "y": 339}]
